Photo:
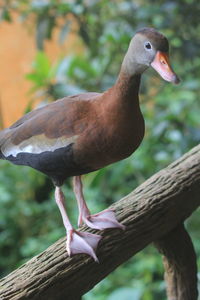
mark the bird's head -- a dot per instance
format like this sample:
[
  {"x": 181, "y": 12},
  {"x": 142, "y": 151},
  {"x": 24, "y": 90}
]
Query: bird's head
[{"x": 150, "y": 48}]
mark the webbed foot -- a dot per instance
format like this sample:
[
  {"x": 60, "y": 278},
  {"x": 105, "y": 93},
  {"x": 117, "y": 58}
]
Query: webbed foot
[
  {"x": 102, "y": 220},
  {"x": 82, "y": 242}
]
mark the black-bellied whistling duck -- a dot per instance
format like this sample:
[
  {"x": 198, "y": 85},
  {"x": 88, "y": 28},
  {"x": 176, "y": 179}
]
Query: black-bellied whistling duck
[{"x": 83, "y": 133}]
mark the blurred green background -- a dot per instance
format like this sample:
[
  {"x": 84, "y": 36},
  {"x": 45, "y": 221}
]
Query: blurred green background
[{"x": 29, "y": 219}]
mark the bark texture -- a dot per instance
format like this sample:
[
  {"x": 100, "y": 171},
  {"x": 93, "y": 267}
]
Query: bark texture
[
  {"x": 149, "y": 213},
  {"x": 179, "y": 260}
]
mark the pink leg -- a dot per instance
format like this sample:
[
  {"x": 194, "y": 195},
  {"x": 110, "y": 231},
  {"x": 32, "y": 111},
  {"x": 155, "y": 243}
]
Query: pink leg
[
  {"x": 101, "y": 220},
  {"x": 77, "y": 242}
]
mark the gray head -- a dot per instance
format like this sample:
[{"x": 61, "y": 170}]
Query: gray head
[{"x": 149, "y": 48}]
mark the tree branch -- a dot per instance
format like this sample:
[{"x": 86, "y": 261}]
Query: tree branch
[
  {"x": 151, "y": 211},
  {"x": 180, "y": 264}
]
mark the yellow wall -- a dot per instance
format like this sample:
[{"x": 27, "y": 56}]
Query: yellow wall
[{"x": 17, "y": 51}]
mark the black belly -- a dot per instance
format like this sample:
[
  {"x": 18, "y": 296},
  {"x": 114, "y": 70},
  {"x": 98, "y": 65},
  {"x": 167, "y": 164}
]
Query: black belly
[{"x": 58, "y": 164}]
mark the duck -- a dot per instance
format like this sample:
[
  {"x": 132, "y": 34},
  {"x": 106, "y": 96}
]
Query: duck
[{"x": 83, "y": 133}]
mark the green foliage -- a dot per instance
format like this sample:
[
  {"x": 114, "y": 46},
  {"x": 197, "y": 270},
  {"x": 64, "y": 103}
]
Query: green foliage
[
  {"x": 136, "y": 277},
  {"x": 29, "y": 218}
]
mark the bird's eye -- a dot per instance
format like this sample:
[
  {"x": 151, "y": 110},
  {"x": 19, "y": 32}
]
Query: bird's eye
[{"x": 147, "y": 46}]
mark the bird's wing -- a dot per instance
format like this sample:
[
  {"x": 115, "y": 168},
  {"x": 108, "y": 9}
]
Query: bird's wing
[{"x": 48, "y": 128}]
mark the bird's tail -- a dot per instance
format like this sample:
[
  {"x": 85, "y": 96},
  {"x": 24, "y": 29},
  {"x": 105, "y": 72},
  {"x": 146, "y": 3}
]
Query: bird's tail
[
  {"x": 4, "y": 135},
  {"x": 1, "y": 142}
]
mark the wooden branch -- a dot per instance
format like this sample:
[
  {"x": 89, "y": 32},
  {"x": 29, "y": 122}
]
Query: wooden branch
[
  {"x": 180, "y": 264},
  {"x": 151, "y": 211}
]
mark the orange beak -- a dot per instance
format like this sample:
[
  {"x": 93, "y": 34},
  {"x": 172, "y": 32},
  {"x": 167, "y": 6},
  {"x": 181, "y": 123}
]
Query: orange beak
[{"x": 162, "y": 66}]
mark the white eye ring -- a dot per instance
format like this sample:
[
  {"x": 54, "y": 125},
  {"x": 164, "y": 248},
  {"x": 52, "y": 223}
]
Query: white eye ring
[{"x": 147, "y": 46}]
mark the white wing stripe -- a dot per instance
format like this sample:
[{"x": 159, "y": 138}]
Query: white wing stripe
[{"x": 36, "y": 144}]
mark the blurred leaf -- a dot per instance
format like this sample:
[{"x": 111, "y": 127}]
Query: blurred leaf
[
  {"x": 5, "y": 15},
  {"x": 64, "y": 31},
  {"x": 125, "y": 294}
]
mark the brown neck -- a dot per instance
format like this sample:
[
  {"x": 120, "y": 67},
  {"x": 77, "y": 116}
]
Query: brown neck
[{"x": 126, "y": 87}]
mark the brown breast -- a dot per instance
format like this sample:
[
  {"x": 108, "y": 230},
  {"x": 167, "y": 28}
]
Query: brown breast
[{"x": 115, "y": 130}]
